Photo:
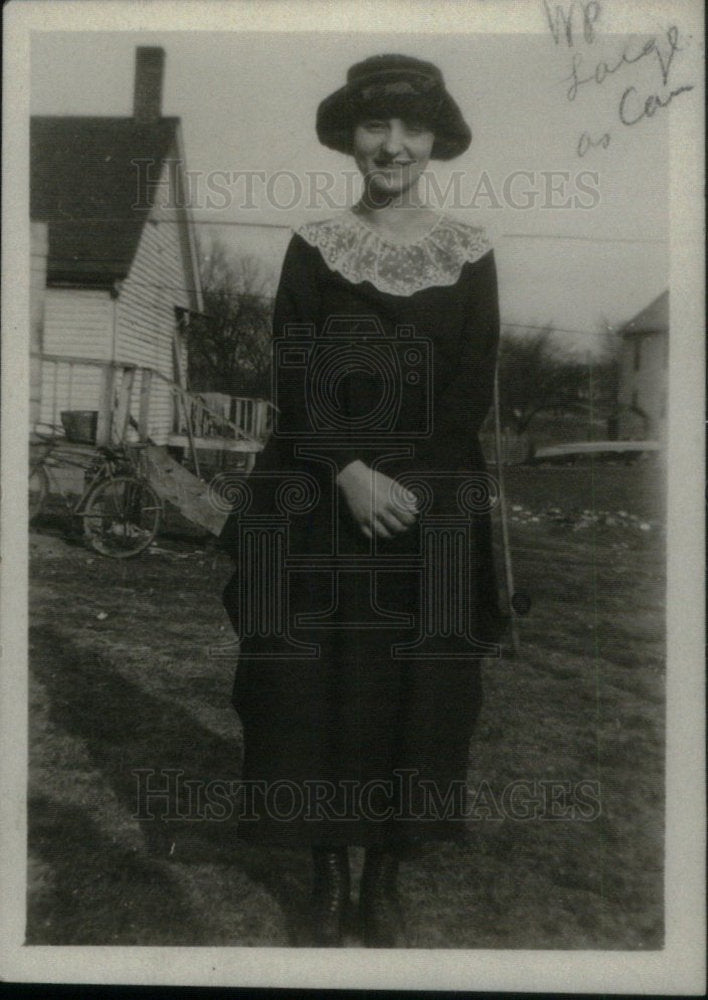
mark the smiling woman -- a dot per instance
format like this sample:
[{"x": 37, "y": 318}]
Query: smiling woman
[
  {"x": 391, "y": 154},
  {"x": 365, "y": 592}
]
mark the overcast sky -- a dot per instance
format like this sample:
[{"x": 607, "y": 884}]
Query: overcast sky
[{"x": 248, "y": 101}]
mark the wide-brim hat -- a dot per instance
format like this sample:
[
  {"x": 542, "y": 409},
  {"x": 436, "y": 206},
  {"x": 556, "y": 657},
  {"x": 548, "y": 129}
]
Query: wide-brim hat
[{"x": 394, "y": 86}]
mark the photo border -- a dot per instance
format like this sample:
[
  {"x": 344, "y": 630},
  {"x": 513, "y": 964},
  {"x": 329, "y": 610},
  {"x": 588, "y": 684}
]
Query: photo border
[{"x": 680, "y": 966}]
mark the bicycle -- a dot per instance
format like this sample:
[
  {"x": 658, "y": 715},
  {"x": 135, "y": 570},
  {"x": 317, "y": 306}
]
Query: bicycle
[{"x": 120, "y": 510}]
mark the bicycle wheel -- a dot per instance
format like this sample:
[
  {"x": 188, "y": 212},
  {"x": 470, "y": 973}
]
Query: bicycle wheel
[
  {"x": 38, "y": 489},
  {"x": 121, "y": 516}
]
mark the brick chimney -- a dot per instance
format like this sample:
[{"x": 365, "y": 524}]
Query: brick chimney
[{"x": 147, "y": 99}]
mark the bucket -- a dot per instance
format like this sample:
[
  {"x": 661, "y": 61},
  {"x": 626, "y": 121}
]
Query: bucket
[{"x": 80, "y": 425}]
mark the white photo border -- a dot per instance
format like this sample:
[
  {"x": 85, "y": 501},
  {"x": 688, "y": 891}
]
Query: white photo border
[{"x": 680, "y": 966}]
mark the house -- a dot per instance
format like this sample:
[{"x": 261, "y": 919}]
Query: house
[
  {"x": 643, "y": 375},
  {"x": 113, "y": 254}
]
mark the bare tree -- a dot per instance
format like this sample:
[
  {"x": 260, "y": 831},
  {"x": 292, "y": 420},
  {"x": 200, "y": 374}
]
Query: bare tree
[
  {"x": 534, "y": 378},
  {"x": 230, "y": 346}
]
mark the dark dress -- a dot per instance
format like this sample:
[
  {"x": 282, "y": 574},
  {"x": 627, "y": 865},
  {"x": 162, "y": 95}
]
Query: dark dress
[{"x": 358, "y": 681}]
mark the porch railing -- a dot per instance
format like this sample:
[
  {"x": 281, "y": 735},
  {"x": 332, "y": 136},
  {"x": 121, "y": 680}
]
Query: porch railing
[{"x": 123, "y": 395}]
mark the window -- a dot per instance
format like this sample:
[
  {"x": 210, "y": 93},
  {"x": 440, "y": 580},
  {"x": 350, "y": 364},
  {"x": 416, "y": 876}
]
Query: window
[{"x": 637, "y": 353}]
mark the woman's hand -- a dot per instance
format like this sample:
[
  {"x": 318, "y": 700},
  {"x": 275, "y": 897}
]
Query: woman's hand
[{"x": 379, "y": 504}]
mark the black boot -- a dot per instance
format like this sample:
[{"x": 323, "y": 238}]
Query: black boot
[
  {"x": 331, "y": 888},
  {"x": 380, "y": 909}
]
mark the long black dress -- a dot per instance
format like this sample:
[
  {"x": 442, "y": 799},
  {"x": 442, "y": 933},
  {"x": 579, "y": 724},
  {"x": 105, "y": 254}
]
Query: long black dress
[{"x": 358, "y": 681}]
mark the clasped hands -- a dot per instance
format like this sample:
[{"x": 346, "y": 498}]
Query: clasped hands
[{"x": 380, "y": 505}]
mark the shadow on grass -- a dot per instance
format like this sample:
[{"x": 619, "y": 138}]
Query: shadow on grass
[
  {"x": 98, "y": 892},
  {"x": 124, "y": 728}
]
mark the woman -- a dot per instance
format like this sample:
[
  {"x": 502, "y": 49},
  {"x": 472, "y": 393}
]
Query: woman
[{"x": 365, "y": 592}]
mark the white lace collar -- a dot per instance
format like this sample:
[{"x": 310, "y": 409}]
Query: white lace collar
[{"x": 355, "y": 250}]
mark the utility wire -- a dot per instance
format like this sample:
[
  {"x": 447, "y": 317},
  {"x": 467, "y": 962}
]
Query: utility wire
[
  {"x": 269, "y": 298},
  {"x": 285, "y": 226},
  {"x": 555, "y": 329},
  {"x": 585, "y": 239},
  {"x": 261, "y": 296}
]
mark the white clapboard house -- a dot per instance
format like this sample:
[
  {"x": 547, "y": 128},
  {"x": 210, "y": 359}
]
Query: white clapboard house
[
  {"x": 108, "y": 207},
  {"x": 644, "y": 367},
  {"x": 115, "y": 281}
]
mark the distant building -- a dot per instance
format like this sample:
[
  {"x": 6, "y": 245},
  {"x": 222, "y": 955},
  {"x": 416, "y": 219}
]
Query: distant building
[
  {"x": 643, "y": 376},
  {"x": 114, "y": 260}
]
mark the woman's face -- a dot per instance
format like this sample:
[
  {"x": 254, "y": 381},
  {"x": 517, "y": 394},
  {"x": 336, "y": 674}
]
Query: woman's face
[{"x": 392, "y": 153}]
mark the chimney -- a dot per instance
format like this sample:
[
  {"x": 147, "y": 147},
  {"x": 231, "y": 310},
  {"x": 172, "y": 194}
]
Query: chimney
[{"x": 147, "y": 99}]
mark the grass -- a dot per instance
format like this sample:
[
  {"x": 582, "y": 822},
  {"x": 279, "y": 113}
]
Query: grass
[{"x": 123, "y": 677}]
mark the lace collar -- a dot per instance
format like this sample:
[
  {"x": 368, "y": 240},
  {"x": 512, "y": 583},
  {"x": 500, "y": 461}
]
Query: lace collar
[{"x": 355, "y": 250}]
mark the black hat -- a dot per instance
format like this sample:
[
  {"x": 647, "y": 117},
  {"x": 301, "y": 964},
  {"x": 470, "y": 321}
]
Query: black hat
[{"x": 397, "y": 87}]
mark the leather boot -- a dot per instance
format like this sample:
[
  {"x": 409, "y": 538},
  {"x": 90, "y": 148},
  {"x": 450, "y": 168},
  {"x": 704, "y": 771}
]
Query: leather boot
[
  {"x": 380, "y": 908},
  {"x": 331, "y": 889}
]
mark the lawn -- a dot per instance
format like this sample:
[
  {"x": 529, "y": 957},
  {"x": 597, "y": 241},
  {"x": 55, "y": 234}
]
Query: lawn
[{"x": 127, "y": 674}]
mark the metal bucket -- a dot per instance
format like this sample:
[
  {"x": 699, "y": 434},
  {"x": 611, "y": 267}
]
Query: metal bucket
[{"x": 80, "y": 425}]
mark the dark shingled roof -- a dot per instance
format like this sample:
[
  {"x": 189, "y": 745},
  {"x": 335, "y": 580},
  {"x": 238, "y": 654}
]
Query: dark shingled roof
[
  {"x": 84, "y": 184},
  {"x": 654, "y": 318}
]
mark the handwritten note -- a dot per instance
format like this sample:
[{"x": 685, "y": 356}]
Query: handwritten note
[{"x": 574, "y": 25}]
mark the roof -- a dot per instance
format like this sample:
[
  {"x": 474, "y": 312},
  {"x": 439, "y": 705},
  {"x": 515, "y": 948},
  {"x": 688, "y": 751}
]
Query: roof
[
  {"x": 84, "y": 184},
  {"x": 654, "y": 318}
]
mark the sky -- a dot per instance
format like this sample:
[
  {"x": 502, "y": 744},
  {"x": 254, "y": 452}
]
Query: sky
[{"x": 591, "y": 254}]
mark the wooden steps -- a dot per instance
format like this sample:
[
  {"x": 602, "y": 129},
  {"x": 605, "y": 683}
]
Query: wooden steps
[
  {"x": 215, "y": 443},
  {"x": 192, "y": 497}
]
